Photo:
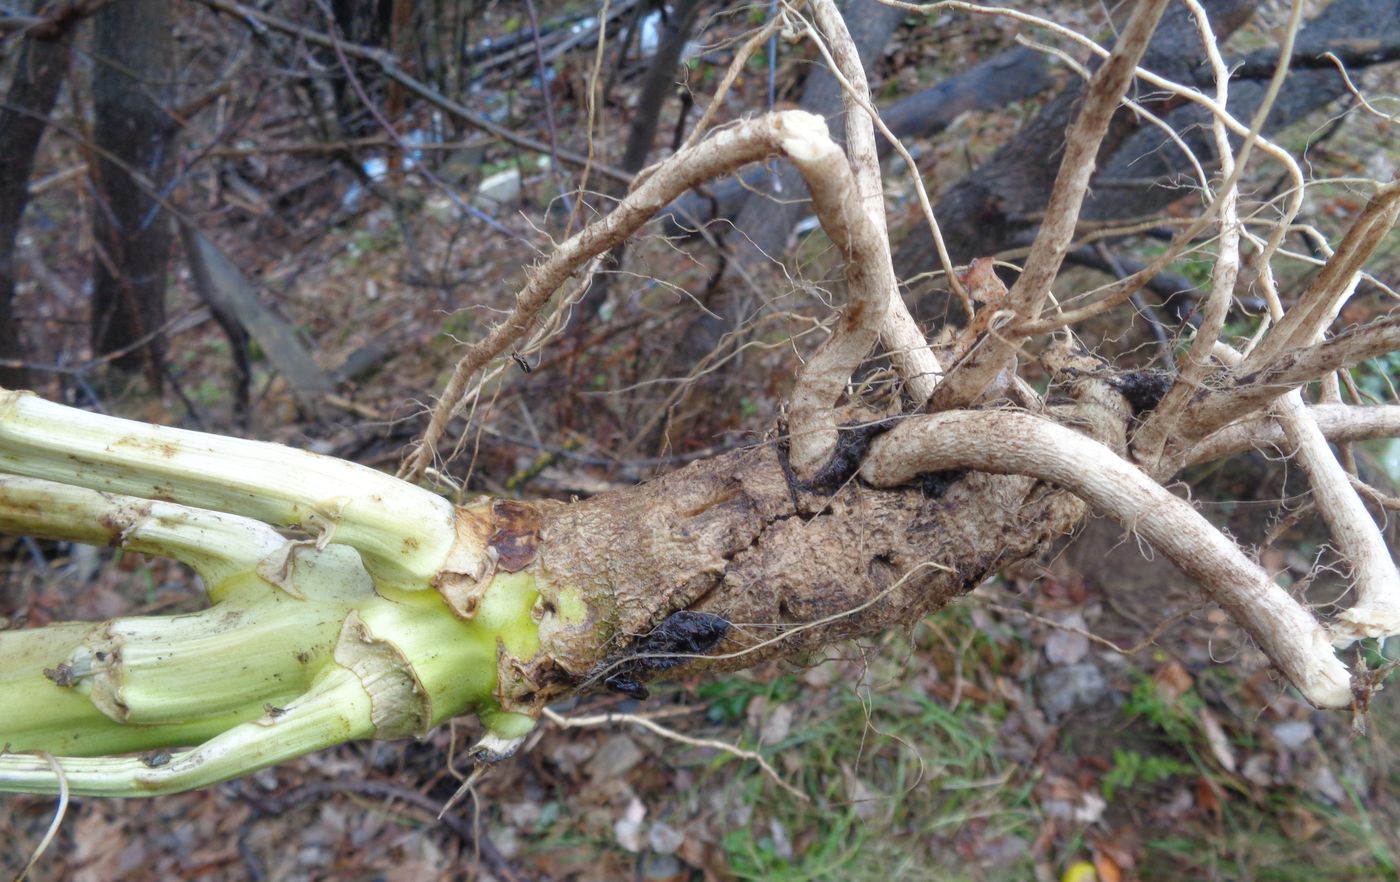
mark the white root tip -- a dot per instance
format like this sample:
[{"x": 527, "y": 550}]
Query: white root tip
[
  {"x": 1326, "y": 682},
  {"x": 1361, "y": 622},
  {"x": 805, "y": 136},
  {"x": 493, "y": 748}
]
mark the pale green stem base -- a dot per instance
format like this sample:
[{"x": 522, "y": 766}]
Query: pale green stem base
[{"x": 310, "y": 642}]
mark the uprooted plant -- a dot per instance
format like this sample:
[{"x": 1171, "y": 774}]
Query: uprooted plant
[{"x": 349, "y": 604}]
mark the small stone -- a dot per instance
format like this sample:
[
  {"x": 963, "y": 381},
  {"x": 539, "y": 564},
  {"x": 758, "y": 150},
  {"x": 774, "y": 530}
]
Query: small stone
[
  {"x": 506, "y": 840},
  {"x": 782, "y": 845},
  {"x": 1064, "y": 646},
  {"x": 665, "y": 839},
  {"x": 1070, "y": 688},
  {"x": 569, "y": 755},
  {"x": 1000, "y": 851},
  {"x": 1258, "y": 770},
  {"x": 1293, "y": 734},
  {"x": 663, "y": 868},
  {"x": 522, "y": 814},
  {"x": 628, "y": 829},
  {"x": 500, "y": 188},
  {"x": 618, "y": 756},
  {"x": 1323, "y": 782},
  {"x": 777, "y": 726},
  {"x": 821, "y": 676}
]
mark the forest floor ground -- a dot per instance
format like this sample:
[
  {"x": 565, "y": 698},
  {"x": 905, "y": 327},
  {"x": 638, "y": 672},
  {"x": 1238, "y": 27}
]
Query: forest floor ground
[
  {"x": 1009, "y": 737},
  {"x": 1043, "y": 727}
]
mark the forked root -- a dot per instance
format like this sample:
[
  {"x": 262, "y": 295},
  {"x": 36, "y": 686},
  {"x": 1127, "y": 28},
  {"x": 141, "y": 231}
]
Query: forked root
[
  {"x": 802, "y": 138},
  {"x": 899, "y": 333},
  {"x": 1020, "y": 443},
  {"x": 1376, "y": 612}
]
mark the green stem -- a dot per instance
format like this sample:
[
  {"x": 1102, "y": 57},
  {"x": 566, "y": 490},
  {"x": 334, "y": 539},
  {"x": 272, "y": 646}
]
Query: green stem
[
  {"x": 223, "y": 549},
  {"x": 404, "y": 532},
  {"x": 309, "y": 643},
  {"x": 232, "y": 674}
]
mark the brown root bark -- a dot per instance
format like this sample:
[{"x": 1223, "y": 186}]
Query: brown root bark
[{"x": 789, "y": 570}]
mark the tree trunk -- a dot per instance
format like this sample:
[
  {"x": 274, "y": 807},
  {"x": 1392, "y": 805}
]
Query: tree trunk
[
  {"x": 1143, "y": 156},
  {"x": 39, "y": 74},
  {"x": 135, "y": 141},
  {"x": 1013, "y": 75},
  {"x": 1000, "y": 199},
  {"x": 660, "y": 82},
  {"x": 997, "y": 205}
]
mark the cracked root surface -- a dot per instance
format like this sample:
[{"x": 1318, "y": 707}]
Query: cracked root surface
[{"x": 789, "y": 570}]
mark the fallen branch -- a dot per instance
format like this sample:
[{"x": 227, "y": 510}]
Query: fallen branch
[{"x": 389, "y": 65}]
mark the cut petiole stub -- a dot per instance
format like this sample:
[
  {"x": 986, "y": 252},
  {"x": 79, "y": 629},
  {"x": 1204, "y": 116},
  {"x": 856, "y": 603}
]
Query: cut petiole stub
[
  {"x": 403, "y": 532},
  {"x": 331, "y": 616}
]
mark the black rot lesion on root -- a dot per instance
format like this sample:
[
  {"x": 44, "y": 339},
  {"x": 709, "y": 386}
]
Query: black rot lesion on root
[
  {"x": 935, "y": 484},
  {"x": 679, "y": 638},
  {"x": 1143, "y": 390},
  {"x": 853, "y": 442}
]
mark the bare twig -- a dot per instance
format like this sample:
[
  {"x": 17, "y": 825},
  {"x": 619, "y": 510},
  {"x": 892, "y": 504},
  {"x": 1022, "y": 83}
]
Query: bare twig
[
  {"x": 1356, "y": 93},
  {"x": 548, "y": 99},
  {"x": 591, "y": 100},
  {"x": 1353, "y": 51},
  {"x": 736, "y": 67},
  {"x": 1149, "y": 640},
  {"x": 607, "y": 719},
  {"x": 314, "y": 791},
  {"x": 390, "y": 67},
  {"x": 63, "y": 17}
]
